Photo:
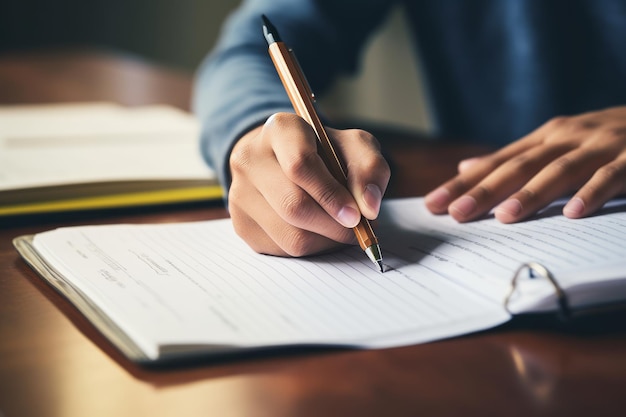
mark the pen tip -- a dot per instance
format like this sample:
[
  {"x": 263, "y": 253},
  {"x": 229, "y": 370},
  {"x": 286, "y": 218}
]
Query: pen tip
[
  {"x": 269, "y": 31},
  {"x": 373, "y": 252}
]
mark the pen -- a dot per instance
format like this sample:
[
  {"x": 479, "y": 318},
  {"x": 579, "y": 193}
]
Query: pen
[{"x": 302, "y": 99}]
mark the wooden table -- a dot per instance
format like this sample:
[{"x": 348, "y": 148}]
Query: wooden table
[{"x": 53, "y": 363}]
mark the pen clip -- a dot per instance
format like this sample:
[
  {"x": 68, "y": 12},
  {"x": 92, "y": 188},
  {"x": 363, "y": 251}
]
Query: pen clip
[{"x": 305, "y": 82}]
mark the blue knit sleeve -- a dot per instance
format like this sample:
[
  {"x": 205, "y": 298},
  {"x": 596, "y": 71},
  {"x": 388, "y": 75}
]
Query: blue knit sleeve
[{"x": 237, "y": 88}]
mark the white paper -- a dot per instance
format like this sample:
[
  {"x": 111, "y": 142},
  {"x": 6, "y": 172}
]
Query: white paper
[
  {"x": 483, "y": 256},
  {"x": 199, "y": 284},
  {"x": 48, "y": 145}
]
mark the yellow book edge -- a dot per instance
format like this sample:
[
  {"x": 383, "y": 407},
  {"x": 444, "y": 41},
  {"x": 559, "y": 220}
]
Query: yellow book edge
[{"x": 179, "y": 195}]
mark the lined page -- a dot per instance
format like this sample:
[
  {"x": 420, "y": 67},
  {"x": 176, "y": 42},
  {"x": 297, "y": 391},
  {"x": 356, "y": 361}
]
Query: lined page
[
  {"x": 198, "y": 283},
  {"x": 586, "y": 256}
]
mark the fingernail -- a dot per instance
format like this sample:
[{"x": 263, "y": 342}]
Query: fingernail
[
  {"x": 439, "y": 198},
  {"x": 464, "y": 206},
  {"x": 466, "y": 163},
  {"x": 372, "y": 196},
  {"x": 574, "y": 208},
  {"x": 348, "y": 216},
  {"x": 511, "y": 207}
]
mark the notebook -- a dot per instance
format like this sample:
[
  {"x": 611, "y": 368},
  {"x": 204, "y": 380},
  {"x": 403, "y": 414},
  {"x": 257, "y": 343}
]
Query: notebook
[
  {"x": 164, "y": 292},
  {"x": 79, "y": 156}
]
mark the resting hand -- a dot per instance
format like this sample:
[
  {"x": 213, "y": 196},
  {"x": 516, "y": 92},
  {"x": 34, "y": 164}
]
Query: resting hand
[
  {"x": 283, "y": 201},
  {"x": 585, "y": 154}
]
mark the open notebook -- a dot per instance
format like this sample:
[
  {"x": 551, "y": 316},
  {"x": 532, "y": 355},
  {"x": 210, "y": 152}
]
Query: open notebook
[
  {"x": 66, "y": 157},
  {"x": 167, "y": 291}
]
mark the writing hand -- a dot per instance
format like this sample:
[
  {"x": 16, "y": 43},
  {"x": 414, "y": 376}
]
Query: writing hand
[
  {"x": 585, "y": 154},
  {"x": 282, "y": 199}
]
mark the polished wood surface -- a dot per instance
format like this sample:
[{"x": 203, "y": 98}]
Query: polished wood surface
[{"x": 53, "y": 363}]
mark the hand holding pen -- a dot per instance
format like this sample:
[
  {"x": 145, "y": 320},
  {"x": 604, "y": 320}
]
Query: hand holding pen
[
  {"x": 285, "y": 201},
  {"x": 302, "y": 99}
]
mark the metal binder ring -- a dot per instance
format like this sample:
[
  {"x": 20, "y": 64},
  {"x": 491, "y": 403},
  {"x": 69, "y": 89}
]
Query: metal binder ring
[{"x": 543, "y": 272}]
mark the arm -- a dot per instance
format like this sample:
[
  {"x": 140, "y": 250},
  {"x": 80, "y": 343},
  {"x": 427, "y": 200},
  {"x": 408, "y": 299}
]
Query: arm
[
  {"x": 237, "y": 90},
  {"x": 237, "y": 87}
]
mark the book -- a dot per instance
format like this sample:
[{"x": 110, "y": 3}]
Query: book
[
  {"x": 162, "y": 292},
  {"x": 80, "y": 156}
]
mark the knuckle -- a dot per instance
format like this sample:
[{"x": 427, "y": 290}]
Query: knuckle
[
  {"x": 491, "y": 163},
  {"x": 557, "y": 122},
  {"x": 527, "y": 195},
  {"x": 296, "y": 242},
  {"x": 562, "y": 129},
  {"x": 374, "y": 163},
  {"x": 234, "y": 194},
  {"x": 239, "y": 160},
  {"x": 328, "y": 196},
  {"x": 584, "y": 130},
  {"x": 366, "y": 137},
  {"x": 299, "y": 168},
  {"x": 564, "y": 164},
  {"x": 457, "y": 186},
  {"x": 591, "y": 190},
  {"x": 523, "y": 164},
  {"x": 483, "y": 192},
  {"x": 611, "y": 172},
  {"x": 613, "y": 135},
  {"x": 295, "y": 205},
  {"x": 619, "y": 132},
  {"x": 588, "y": 124}
]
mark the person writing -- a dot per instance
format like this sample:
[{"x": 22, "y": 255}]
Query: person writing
[{"x": 542, "y": 80}]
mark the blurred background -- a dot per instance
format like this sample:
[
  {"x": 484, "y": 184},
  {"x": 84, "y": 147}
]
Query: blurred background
[{"x": 178, "y": 34}]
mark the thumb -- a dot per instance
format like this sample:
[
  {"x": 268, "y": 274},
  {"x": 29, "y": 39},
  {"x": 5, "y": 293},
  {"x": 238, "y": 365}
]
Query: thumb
[{"x": 368, "y": 171}]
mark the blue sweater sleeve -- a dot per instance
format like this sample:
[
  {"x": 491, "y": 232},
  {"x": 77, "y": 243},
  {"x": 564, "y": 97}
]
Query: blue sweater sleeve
[{"x": 237, "y": 87}]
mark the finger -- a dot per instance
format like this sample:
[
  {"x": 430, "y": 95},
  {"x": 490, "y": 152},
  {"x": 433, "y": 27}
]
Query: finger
[
  {"x": 285, "y": 200},
  {"x": 368, "y": 171},
  {"x": 252, "y": 233},
  {"x": 301, "y": 163},
  {"x": 558, "y": 178},
  {"x": 269, "y": 234},
  {"x": 439, "y": 200},
  {"x": 466, "y": 164},
  {"x": 254, "y": 167},
  {"x": 505, "y": 180},
  {"x": 607, "y": 182}
]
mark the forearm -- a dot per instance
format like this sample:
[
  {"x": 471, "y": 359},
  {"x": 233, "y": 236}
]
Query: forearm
[
  {"x": 237, "y": 87},
  {"x": 229, "y": 103}
]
